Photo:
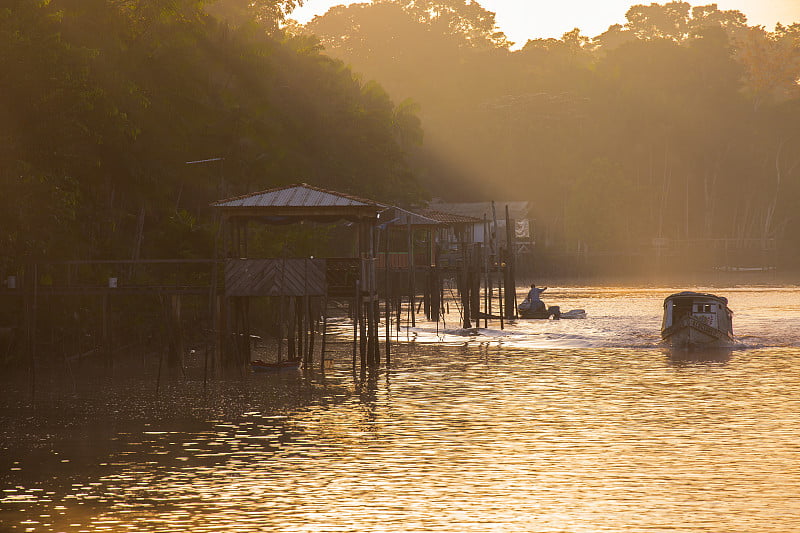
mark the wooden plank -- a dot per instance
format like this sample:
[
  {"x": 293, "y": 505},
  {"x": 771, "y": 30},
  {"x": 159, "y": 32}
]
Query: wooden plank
[{"x": 275, "y": 277}]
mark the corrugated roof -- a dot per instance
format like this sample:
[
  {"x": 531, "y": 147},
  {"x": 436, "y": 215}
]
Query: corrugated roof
[
  {"x": 517, "y": 210},
  {"x": 297, "y": 195},
  {"x": 448, "y": 218},
  {"x": 397, "y": 216}
]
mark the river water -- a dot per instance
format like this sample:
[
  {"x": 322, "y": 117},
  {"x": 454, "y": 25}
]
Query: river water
[{"x": 543, "y": 426}]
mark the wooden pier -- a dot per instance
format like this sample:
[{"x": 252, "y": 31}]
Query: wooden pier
[{"x": 398, "y": 271}]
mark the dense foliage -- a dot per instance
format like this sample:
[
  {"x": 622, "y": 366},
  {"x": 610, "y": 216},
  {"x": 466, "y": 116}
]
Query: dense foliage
[
  {"x": 682, "y": 124},
  {"x": 103, "y": 103}
]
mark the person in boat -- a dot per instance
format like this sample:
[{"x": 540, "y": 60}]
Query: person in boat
[{"x": 535, "y": 298}]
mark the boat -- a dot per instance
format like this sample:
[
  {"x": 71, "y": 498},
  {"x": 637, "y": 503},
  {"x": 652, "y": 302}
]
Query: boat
[
  {"x": 697, "y": 320},
  {"x": 262, "y": 366},
  {"x": 527, "y": 310}
]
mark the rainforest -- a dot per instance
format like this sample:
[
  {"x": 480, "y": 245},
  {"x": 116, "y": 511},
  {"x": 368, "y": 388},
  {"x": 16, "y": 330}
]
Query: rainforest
[{"x": 122, "y": 120}]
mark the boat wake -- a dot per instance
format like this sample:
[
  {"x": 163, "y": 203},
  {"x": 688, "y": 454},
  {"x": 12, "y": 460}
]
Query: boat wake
[
  {"x": 541, "y": 337},
  {"x": 753, "y": 342}
]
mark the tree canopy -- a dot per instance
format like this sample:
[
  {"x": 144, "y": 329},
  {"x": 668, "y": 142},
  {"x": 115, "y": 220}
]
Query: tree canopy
[
  {"x": 681, "y": 123},
  {"x": 103, "y": 103}
]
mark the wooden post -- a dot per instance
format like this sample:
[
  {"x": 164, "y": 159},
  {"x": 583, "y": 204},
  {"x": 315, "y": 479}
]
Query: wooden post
[
  {"x": 475, "y": 284},
  {"x": 205, "y": 367},
  {"x": 32, "y": 304},
  {"x": 387, "y": 297},
  {"x": 248, "y": 344},
  {"x": 233, "y": 309},
  {"x": 370, "y": 265},
  {"x": 375, "y": 301},
  {"x": 213, "y": 302},
  {"x": 310, "y": 331},
  {"x": 511, "y": 290},
  {"x": 487, "y": 287},
  {"x": 399, "y": 309},
  {"x": 362, "y": 323},
  {"x": 309, "y": 327},
  {"x": 355, "y": 312},
  {"x": 104, "y": 334},
  {"x": 222, "y": 329},
  {"x": 500, "y": 300},
  {"x": 290, "y": 328},
  {"x": 388, "y": 314},
  {"x": 411, "y": 274},
  {"x": 364, "y": 287},
  {"x": 283, "y": 328},
  {"x": 299, "y": 313},
  {"x": 436, "y": 293},
  {"x": 324, "y": 331},
  {"x": 463, "y": 283}
]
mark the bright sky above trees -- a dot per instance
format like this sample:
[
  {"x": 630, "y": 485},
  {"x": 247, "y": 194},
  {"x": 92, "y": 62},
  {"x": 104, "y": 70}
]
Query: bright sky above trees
[{"x": 531, "y": 19}]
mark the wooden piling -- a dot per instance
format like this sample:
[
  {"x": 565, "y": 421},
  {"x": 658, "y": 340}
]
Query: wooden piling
[
  {"x": 32, "y": 308},
  {"x": 387, "y": 297},
  {"x": 105, "y": 338},
  {"x": 509, "y": 270},
  {"x": 324, "y": 332},
  {"x": 500, "y": 301},
  {"x": 362, "y": 323},
  {"x": 310, "y": 332},
  {"x": 291, "y": 352},
  {"x": 487, "y": 287},
  {"x": 411, "y": 275},
  {"x": 355, "y": 313}
]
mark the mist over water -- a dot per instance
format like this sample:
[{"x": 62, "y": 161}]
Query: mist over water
[{"x": 546, "y": 426}]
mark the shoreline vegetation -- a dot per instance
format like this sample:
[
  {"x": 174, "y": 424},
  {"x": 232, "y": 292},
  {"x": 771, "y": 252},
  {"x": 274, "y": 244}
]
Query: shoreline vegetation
[
  {"x": 679, "y": 126},
  {"x": 662, "y": 148}
]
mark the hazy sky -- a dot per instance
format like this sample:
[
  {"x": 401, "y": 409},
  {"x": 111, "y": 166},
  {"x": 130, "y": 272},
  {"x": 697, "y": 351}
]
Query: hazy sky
[{"x": 530, "y": 19}]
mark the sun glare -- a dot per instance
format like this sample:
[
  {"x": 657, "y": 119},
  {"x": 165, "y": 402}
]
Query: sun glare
[{"x": 538, "y": 19}]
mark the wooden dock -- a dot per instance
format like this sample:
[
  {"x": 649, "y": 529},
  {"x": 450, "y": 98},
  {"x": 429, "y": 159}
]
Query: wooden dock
[{"x": 228, "y": 301}]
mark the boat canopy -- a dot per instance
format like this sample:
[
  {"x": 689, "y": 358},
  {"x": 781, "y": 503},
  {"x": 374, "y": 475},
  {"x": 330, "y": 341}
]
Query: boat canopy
[{"x": 692, "y": 294}]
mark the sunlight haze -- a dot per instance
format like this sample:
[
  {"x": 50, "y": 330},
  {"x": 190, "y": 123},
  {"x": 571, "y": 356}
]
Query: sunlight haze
[{"x": 532, "y": 19}]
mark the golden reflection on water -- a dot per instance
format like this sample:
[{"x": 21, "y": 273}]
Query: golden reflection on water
[{"x": 610, "y": 433}]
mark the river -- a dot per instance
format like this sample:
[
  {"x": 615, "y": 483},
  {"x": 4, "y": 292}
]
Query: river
[{"x": 542, "y": 426}]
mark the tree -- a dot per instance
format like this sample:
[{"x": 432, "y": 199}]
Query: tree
[
  {"x": 464, "y": 19},
  {"x": 112, "y": 98},
  {"x": 679, "y": 21},
  {"x": 601, "y": 210},
  {"x": 771, "y": 62},
  {"x": 267, "y": 13},
  {"x": 657, "y": 21}
]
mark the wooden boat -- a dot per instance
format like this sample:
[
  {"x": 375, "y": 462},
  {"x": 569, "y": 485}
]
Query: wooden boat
[
  {"x": 540, "y": 312},
  {"x": 697, "y": 320},
  {"x": 262, "y": 366},
  {"x": 527, "y": 310}
]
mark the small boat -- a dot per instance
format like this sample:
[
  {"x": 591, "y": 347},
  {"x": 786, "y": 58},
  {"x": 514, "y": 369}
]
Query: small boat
[
  {"x": 262, "y": 366},
  {"x": 528, "y": 310},
  {"x": 697, "y": 320}
]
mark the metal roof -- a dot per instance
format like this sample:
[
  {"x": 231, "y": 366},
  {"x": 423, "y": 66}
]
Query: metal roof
[
  {"x": 397, "y": 216},
  {"x": 448, "y": 218},
  {"x": 517, "y": 210},
  {"x": 297, "y": 195}
]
